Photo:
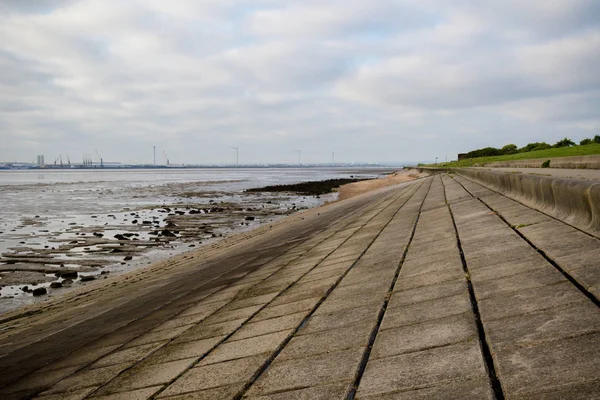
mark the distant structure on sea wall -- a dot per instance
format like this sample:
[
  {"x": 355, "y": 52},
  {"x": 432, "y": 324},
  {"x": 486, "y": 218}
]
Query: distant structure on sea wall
[
  {"x": 40, "y": 160},
  {"x": 462, "y": 156}
]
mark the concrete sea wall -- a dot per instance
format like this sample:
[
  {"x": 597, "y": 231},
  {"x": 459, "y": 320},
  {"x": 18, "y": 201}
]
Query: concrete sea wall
[{"x": 573, "y": 201}]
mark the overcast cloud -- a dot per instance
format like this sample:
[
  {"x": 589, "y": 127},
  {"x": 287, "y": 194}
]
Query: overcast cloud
[{"x": 385, "y": 80}]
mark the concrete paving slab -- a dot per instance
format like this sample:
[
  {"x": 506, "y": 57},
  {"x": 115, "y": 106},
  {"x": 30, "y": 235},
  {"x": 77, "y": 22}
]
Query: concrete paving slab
[
  {"x": 273, "y": 311},
  {"x": 425, "y": 311},
  {"x": 40, "y": 380},
  {"x": 339, "y": 303},
  {"x": 519, "y": 282},
  {"x": 154, "y": 337},
  {"x": 220, "y": 393},
  {"x": 323, "y": 342},
  {"x": 307, "y": 372},
  {"x": 471, "y": 389},
  {"x": 180, "y": 351},
  {"x": 216, "y": 375},
  {"x": 454, "y": 272},
  {"x": 424, "y": 368},
  {"x": 224, "y": 316},
  {"x": 509, "y": 268},
  {"x": 525, "y": 371},
  {"x": 81, "y": 357},
  {"x": 425, "y": 335},
  {"x": 127, "y": 355},
  {"x": 266, "y": 326},
  {"x": 341, "y": 319},
  {"x": 145, "y": 375},
  {"x": 547, "y": 325},
  {"x": 588, "y": 390},
  {"x": 74, "y": 395},
  {"x": 530, "y": 300},
  {"x": 205, "y": 331},
  {"x": 87, "y": 378},
  {"x": 139, "y": 394},
  {"x": 247, "y": 347},
  {"x": 427, "y": 293},
  {"x": 322, "y": 392}
]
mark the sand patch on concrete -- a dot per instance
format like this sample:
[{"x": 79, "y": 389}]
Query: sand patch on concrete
[{"x": 356, "y": 188}]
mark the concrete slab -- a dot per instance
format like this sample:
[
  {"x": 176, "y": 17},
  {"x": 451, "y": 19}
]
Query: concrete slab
[
  {"x": 340, "y": 319},
  {"x": 526, "y": 371},
  {"x": 180, "y": 351},
  {"x": 247, "y": 347},
  {"x": 519, "y": 282},
  {"x": 266, "y": 326},
  {"x": 224, "y": 316},
  {"x": 425, "y": 311},
  {"x": 547, "y": 325},
  {"x": 322, "y": 392},
  {"x": 530, "y": 300},
  {"x": 205, "y": 331},
  {"x": 425, "y": 335},
  {"x": 74, "y": 395},
  {"x": 323, "y": 342},
  {"x": 220, "y": 393},
  {"x": 87, "y": 378},
  {"x": 427, "y": 293},
  {"x": 424, "y": 368},
  {"x": 471, "y": 389},
  {"x": 127, "y": 355},
  {"x": 285, "y": 309},
  {"x": 139, "y": 394},
  {"x": 588, "y": 390},
  {"x": 210, "y": 376},
  {"x": 308, "y": 372},
  {"x": 145, "y": 375},
  {"x": 154, "y": 337},
  {"x": 454, "y": 272}
]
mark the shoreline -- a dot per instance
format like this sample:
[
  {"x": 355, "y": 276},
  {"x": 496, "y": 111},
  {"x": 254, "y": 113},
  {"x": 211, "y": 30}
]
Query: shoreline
[{"x": 182, "y": 227}]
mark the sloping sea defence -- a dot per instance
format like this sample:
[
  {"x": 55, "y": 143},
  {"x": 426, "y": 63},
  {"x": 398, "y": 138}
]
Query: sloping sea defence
[{"x": 438, "y": 288}]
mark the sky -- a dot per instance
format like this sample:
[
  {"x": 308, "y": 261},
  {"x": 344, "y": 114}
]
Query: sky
[{"x": 372, "y": 81}]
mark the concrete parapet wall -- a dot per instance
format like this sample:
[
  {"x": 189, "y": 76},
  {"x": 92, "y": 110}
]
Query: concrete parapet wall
[
  {"x": 584, "y": 162},
  {"x": 573, "y": 201}
]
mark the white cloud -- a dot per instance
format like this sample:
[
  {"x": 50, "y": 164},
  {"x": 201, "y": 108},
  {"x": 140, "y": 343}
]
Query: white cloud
[{"x": 387, "y": 80}]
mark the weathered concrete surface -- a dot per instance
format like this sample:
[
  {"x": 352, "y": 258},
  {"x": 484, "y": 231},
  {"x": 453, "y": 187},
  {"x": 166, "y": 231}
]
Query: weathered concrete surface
[
  {"x": 430, "y": 290},
  {"x": 574, "y": 201}
]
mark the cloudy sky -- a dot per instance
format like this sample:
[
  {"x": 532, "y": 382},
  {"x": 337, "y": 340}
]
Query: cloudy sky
[{"x": 372, "y": 80}]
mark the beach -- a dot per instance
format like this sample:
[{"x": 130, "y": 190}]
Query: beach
[{"x": 60, "y": 230}]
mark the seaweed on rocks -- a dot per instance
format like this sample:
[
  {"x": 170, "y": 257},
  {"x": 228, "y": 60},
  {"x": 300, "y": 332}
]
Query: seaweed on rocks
[{"x": 311, "y": 188}]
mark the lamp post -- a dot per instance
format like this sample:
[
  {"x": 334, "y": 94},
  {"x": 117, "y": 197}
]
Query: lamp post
[{"x": 436, "y": 161}]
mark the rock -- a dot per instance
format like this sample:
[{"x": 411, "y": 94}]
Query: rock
[
  {"x": 25, "y": 289},
  {"x": 249, "y": 218},
  {"x": 56, "y": 285},
  {"x": 116, "y": 251},
  {"x": 39, "y": 291},
  {"x": 147, "y": 222},
  {"x": 127, "y": 258},
  {"x": 67, "y": 274},
  {"x": 135, "y": 221},
  {"x": 192, "y": 245},
  {"x": 98, "y": 234},
  {"x": 128, "y": 235},
  {"x": 168, "y": 233},
  {"x": 87, "y": 278},
  {"x": 118, "y": 236},
  {"x": 67, "y": 282},
  {"x": 104, "y": 272}
]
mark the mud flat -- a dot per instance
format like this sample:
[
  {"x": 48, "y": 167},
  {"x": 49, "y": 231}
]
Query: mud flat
[{"x": 112, "y": 229}]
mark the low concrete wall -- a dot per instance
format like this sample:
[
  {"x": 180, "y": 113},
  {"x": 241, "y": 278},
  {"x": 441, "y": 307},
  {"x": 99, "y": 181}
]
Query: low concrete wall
[
  {"x": 585, "y": 162},
  {"x": 574, "y": 201}
]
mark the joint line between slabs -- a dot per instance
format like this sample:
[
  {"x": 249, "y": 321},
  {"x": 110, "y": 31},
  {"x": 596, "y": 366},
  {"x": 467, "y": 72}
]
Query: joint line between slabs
[
  {"x": 367, "y": 354},
  {"x": 485, "y": 349}
]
